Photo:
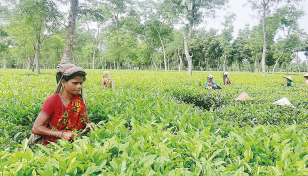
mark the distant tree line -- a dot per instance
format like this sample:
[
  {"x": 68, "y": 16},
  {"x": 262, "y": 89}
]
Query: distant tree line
[{"x": 126, "y": 34}]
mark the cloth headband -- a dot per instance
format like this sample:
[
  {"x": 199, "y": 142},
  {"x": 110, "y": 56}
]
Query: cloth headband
[{"x": 68, "y": 69}]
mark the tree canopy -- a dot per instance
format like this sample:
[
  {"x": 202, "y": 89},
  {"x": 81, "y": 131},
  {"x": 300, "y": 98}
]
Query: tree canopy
[{"x": 125, "y": 34}]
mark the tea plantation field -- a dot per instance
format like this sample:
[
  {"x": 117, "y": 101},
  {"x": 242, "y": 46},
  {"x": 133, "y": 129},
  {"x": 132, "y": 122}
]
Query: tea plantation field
[{"x": 158, "y": 123}]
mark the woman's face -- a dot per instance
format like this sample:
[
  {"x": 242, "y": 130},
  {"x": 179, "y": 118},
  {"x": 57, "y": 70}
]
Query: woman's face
[
  {"x": 74, "y": 85},
  {"x": 209, "y": 79},
  {"x": 287, "y": 80}
]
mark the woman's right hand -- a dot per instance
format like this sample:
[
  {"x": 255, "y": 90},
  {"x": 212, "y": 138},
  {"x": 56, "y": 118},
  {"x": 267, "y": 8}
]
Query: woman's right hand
[{"x": 69, "y": 135}]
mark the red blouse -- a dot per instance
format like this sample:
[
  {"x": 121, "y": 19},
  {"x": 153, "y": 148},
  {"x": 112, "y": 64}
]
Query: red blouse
[
  {"x": 105, "y": 82},
  {"x": 63, "y": 118},
  {"x": 53, "y": 108}
]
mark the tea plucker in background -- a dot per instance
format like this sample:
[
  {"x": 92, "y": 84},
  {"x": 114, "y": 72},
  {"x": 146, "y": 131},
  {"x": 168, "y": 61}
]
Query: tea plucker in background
[
  {"x": 306, "y": 77},
  {"x": 107, "y": 81},
  {"x": 226, "y": 79},
  {"x": 210, "y": 84},
  {"x": 289, "y": 80},
  {"x": 65, "y": 110}
]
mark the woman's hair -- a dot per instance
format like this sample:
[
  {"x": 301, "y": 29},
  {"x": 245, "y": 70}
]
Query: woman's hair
[
  {"x": 67, "y": 78},
  {"x": 109, "y": 81},
  {"x": 107, "y": 75}
]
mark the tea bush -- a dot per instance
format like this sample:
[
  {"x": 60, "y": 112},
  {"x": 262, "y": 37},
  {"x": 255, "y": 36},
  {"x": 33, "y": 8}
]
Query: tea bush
[{"x": 158, "y": 123}]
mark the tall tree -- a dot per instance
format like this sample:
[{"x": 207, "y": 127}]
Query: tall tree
[
  {"x": 175, "y": 45},
  {"x": 163, "y": 25},
  {"x": 241, "y": 46},
  {"x": 149, "y": 36},
  {"x": 226, "y": 37},
  {"x": 24, "y": 40},
  {"x": 288, "y": 17},
  {"x": 40, "y": 17},
  {"x": 70, "y": 31},
  {"x": 119, "y": 46},
  {"x": 256, "y": 46},
  {"x": 263, "y": 7},
  {"x": 4, "y": 45},
  {"x": 192, "y": 12},
  {"x": 115, "y": 12}
]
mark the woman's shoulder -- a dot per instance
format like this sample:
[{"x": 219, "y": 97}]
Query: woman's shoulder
[{"x": 53, "y": 97}]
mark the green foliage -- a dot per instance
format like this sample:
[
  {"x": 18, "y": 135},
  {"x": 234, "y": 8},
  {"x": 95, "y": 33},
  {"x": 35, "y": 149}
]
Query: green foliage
[
  {"x": 142, "y": 128},
  {"x": 126, "y": 34}
]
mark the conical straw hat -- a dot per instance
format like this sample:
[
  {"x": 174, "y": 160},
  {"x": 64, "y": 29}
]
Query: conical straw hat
[
  {"x": 289, "y": 78},
  {"x": 243, "y": 97},
  {"x": 284, "y": 101},
  {"x": 306, "y": 75}
]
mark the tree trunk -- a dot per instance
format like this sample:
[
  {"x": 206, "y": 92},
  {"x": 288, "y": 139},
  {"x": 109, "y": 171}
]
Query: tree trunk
[
  {"x": 93, "y": 58},
  {"x": 188, "y": 57},
  {"x": 27, "y": 64},
  {"x": 46, "y": 64},
  {"x": 118, "y": 63},
  {"x": 224, "y": 64},
  {"x": 37, "y": 54},
  {"x": 168, "y": 63},
  {"x": 239, "y": 66},
  {"x": 154, "y": 64},
  {"x": 105, "y": 64},
  {"x": 277, "y": 61},
  {"x": 17, "y": 64},
  {"x": 162, "y": 44},
  {"x": 95, "y": 47},
  {"x": 307, "y": 61},
  {"x": 129, "y": 66},
  {"x": 74, "y": 58},
  {"x": 256, "y": 64},
  {"x": 4, "y": 61},
  {"x": 206, "y": 65},
  {"x": 181, "y": 61},
  {"x": 299, "y": 70},
  {"x": 70, "y": 32},
  {"x": 265, "y": 39}
]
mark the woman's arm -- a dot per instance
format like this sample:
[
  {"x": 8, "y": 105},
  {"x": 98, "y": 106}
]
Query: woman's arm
[
  {"x": 40, "y": 129},
  {"x": 39, "y": 126},
  {"x": 214, "y": 85}
]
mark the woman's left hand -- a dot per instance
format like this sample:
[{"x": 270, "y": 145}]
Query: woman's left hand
[{"x": 89, "y": 126}]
